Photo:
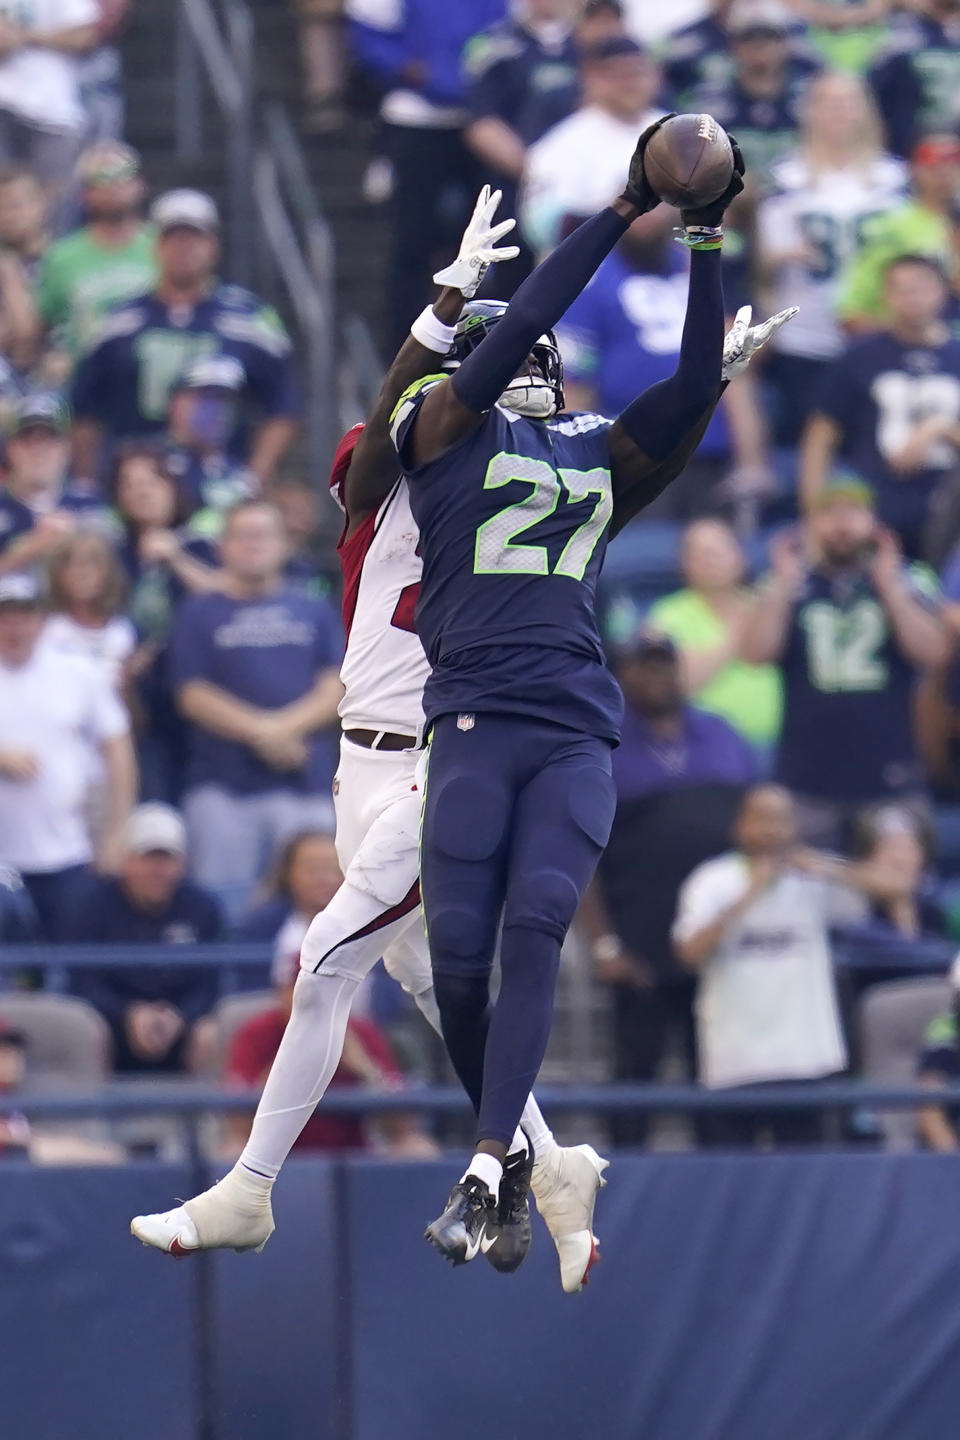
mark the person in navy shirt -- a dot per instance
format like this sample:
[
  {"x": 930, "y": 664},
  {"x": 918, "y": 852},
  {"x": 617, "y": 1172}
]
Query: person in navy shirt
[
  {"x": 759, "y": 99},
  {"x": 890, "y": 406},
  {"x": 852, "y": 628},
  {"x": 680, "y": 774},
  {"x": 39, "y": 505},
  {"x": 151, "y": 1009},
  {"x": 122, "y": 386},
  {"x": 916, "y": 76},
  {"x": 254, "y": 669}
]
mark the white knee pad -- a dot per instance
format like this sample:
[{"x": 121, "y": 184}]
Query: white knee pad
[{"x": 351, "y": 934}]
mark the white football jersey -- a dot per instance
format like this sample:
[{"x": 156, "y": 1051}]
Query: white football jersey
[
  {"x": 825, "y": 214},
  {"x": 384, "y": 668}
]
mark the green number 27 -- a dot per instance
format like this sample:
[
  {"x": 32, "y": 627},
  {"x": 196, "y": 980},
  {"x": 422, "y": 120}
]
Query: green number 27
[{"x": 497, "y": 550}]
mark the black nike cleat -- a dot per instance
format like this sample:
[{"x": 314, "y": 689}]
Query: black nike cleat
[
  {"x": 512, "y": 1224},
  {"x": 467, "y": 1225}
]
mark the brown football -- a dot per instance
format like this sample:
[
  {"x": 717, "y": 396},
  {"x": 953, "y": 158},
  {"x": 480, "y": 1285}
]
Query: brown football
[{"x": 689, "y": 161}]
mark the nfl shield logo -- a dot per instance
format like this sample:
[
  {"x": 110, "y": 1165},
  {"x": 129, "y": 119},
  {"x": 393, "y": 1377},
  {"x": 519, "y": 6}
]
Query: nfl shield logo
[{"x": 464, "y": 722}]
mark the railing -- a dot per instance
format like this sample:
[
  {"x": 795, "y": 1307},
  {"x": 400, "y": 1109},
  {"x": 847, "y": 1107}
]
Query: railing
[
  {"x": 221, "y": 53},
  {"x": 229, "y": 959}
]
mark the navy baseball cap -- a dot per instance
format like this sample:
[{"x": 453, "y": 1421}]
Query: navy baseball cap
[{"x": 43, "y": 410}]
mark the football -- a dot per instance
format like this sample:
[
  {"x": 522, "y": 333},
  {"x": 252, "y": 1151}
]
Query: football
[{"x": 689, "y": 161}]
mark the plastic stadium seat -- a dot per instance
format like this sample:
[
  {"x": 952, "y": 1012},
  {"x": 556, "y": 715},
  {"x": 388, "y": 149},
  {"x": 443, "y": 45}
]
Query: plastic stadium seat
[
  {"x": 68, "y": 1043},
  {"x": 891, "y": 1019},
  {"x": 232, "y": 1012}
]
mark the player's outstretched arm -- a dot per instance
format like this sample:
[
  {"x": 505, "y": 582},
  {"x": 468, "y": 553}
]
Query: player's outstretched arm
[
  {"x": 373, "y": 463},
  {"x": 452, "y": 410},
  {"x": 655, "y": 435}
]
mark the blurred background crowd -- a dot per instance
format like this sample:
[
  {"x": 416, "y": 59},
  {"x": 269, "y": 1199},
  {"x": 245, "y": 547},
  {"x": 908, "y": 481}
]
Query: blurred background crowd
[{"x": 782, "y": 890}]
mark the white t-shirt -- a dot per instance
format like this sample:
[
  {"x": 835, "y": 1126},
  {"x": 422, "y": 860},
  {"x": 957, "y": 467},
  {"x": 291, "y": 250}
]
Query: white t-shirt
[
  {"x": 826, "y": 213},
  {"x": 766, "y": 1002},
  {"x": 60, "y": 709},
  {"x": 107, "y": 646},
  {"x": 38, "y": 85},
  {"x": 577, "y": 168}
]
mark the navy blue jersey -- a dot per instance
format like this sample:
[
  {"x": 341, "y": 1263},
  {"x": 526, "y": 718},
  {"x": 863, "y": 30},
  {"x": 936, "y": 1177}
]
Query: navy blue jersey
[
  {"x": 847, "y": 732},
  {"x": 124, "y": 381},
  {"x": 514, "y": 523},
  {"x": 17, "y": 518},
  {"x": 767, "y": 129},
  {"x": 524, "y": 82},
  {"x": 699, "y": 55},
  {"x": 916, "y": 80},
  {"x": 877, "y": 393}
]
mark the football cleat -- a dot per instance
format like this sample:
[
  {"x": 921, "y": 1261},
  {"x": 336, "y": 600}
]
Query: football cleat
[
  {"x": 215, "y": 1220},
  {"x": 467, "y": 1225},
  {"x": 565, "y": 1183},
  {"x": 511, "y": 1227}
]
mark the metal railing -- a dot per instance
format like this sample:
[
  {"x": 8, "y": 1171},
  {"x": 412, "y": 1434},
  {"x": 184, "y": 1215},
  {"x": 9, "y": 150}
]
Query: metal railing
[{"x": 220, "y": 52}]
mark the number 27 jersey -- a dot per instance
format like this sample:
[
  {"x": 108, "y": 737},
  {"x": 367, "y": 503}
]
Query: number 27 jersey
[{"x": 514, "y": 523}]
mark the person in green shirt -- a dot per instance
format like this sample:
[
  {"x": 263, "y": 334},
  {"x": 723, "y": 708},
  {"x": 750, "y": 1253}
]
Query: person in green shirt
[
  {"x": 704, "y": 621},
  {"x": 923, "y": 226},
  {"x": 109, "y": 260}
]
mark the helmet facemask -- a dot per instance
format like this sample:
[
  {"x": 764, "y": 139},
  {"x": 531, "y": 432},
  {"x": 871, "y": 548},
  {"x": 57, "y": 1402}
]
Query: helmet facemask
[{"x": 537, "y": 392}]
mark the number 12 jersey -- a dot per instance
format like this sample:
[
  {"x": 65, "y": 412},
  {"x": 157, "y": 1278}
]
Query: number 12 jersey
[{"x": 514, "y": 523}]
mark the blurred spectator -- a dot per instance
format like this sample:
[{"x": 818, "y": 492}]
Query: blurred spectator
[
  {"x": 679, "y": 775},
  {"x": 305, "y": 877},
  {"x": 521, "y": 81},
  {"x": 890, "y": 405},
  {"x": 255, "y": 672},
  {"x": 753, "y": 924},
  {"x": 299, "y": 503},
  {"x": 908, "y": 907},
  {"x": 321, "y": 55},
  {"x": 87, "y": 588},
  {"x": 203, "y": 415},
  {"x": 101, "y": 76},
  {"x": 152, "y": 1010},
  {"x": 921, "y": 226},
  {"x": 413, "y": 48},
  {"x": 579, "y": 164},
  {"x": 122, "y": 386},
  {"x": 18, "y": 915},
  {"x": 56, "y": 715},
  {"x": 39, "y": 506},
  {"x": 367, "y": 1060},
  {"x": 917, "y": 74},
  {"x": 760, "y": 101},
  {"x": 838, "y": 179},
  {"x": 24, "y": 237},
  {"x": 938, "y": 1065},
  {"x": 851, "y": 628},
  {"x": 847, "y": 33},
  {"x": 41, "y": 116},
  {"x": 623, "y": 333},
  {"x": 697, "y": 55},
  {"x": 109, "y": 260},
  {"x": 14, "y": 1128},
  {"x": 705, "y": 622}
]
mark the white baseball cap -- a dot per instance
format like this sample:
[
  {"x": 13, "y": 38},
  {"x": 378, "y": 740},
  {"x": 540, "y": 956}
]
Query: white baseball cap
[
  {"x": 155, "y": 827},
  {"x": 191, "y": 209}
]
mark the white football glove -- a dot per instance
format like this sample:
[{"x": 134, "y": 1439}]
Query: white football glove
[
  {"x": 744, "y": 340},
  {"x": 478, "y": 248}
]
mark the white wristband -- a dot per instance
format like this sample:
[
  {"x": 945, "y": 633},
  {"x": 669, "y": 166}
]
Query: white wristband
[{"x": 431, "y": 333}]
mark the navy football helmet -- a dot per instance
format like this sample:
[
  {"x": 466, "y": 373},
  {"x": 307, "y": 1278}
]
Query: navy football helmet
[{"x": 536, "y": 392}]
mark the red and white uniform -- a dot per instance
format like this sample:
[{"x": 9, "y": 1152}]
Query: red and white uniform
[{"x": 376, "y": 912}]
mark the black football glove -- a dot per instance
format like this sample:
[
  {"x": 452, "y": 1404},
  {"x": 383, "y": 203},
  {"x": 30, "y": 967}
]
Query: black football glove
[
  {"x": 713, "y": 213},
  {"x": 637, "y": 190}
]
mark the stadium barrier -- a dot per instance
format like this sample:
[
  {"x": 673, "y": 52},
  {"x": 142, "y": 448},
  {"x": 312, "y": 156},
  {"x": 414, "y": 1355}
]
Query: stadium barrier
[{"x": 785, "y": 1297}]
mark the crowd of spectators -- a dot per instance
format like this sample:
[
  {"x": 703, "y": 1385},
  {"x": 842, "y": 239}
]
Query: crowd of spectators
[{"x": 169, "y": 648}]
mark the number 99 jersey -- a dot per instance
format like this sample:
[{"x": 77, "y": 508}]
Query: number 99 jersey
[{"x": 514, "y": 523}]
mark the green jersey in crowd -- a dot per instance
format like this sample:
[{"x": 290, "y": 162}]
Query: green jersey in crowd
[
  {"x": 911, "y": 229},
  {"x": 80, "y": 280}
]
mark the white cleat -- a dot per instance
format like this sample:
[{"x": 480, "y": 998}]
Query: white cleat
[
  {"x": 565, "y": 1184},
  {"x": 215, "y": 1220}
]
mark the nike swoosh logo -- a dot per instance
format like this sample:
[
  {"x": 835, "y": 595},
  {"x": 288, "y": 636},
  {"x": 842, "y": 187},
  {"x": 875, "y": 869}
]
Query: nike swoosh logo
[
  {"x": 474, "y": 1245},
  {"x": 485, "y": 1244}
]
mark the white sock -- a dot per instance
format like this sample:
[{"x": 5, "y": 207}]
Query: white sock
[
  {"x": 309, "y": 1054},
  {"x": 519, "y": 1143},
  {"x": 540, "y": 1135},
  {"x": 488, "y": 1169}
]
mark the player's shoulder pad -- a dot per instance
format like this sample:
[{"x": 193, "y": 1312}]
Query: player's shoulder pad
[
  {"x": 408, "y": 405},
  {"x": 489, "y": 48},
  {"x": 119, "y": 323},
  {"x": 580, "y": 423}
]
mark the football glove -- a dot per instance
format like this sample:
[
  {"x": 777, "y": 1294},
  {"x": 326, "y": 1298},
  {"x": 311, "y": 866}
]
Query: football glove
[
  {"x": 478, "y": 248},
  {"x": 713, "y": 213},
  {"x": 637, "y": 189},
  {"x": 744, "y": 340}
]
